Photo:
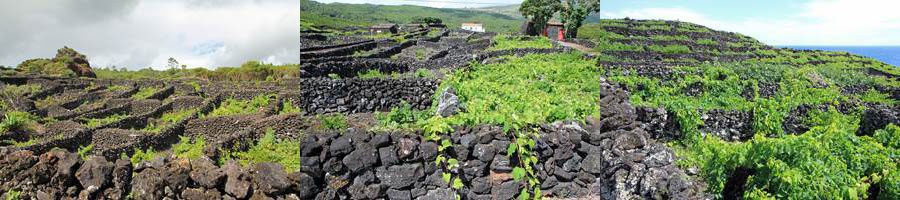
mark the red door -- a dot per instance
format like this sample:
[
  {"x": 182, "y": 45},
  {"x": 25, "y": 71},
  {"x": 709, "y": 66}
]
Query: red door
[{"x": 561, "y": 35}]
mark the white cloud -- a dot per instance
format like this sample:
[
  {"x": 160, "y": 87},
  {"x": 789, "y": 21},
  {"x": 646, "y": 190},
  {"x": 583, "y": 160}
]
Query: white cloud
[
  {"x": 432, "y": 3},
  {"x": 818, "y": 22},
  {"x": 142, "y": 33}
]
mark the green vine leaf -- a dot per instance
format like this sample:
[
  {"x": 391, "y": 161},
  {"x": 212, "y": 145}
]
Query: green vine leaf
[
  {"x": 447, "y": 177},
  {"x": 457, "y": 183},
  {"x": 511, "y": 149},
  {"x": 524, "y": 195},
  {"x": 518, "y": 173}
]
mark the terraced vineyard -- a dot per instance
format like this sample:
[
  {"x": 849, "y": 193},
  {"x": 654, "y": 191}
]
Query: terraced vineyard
[{"x": 660, "y": 110}]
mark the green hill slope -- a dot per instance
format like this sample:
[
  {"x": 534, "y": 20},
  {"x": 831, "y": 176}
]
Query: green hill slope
[
  {"x": 760, "y": 122},
  {"x": 338, "y": 15}
]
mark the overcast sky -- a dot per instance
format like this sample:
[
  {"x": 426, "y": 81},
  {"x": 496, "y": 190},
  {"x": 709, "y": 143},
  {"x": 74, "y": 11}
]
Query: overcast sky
[
  {"x": 432, "y": 3},
  {"x": 143, "y": 33},
  {"x": 778, "y": 22}
]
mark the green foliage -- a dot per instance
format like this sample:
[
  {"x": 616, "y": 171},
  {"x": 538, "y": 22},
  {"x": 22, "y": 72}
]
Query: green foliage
[
  {"x": 12, "y": 195},
  {"x": 169, "y": 118},
  {"x": 95, "y": 122},
  {"x": 670, "y": 37},
  {"x": 826, "y": 162},
  {"x": 504, "y": 42},
  {"x": 85, "y": 151},
  {"x": 17, "y": 121},
  {"x": 287, "y": 106},
  {"x": 117, "y": 88},
  {"x": 372, "y": 73},
  {"x": 141, "y": 155},
  {"x": 707, "y": 42},
  {"x": 670, "y": 49},
  {"x": 237, "y": 107},
  {"x": 335, "y": 121},
  {"x": 596, "y": 32},
  {"x": 271, "y": 149},
  {"x": 875, "y": 96},
  {"x": 426, "y": 20},
  {"x": 424, "y": 73},
  {"x": 603, "y": 45},
  {"x": 889, "y": 136},
  {"x": 341, "y": 15},
  {"x": 45, "y": 67},
  {"x": 189, "y": 149},
  {"x": 11, "y": 92},
  {"x": 402, "y": 117},
  {"x": 145, "y": 92},
  {"x": 533, "y": 89}
]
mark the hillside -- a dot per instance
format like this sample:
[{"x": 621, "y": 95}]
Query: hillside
[
  {"x": 339, "y": 15},
  {"x": 513, "y": 11},
  {"x": 758, "y": 122}
]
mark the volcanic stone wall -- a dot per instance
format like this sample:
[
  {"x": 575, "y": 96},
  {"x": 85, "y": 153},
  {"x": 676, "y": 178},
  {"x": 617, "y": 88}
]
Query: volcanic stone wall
[
  {"x": 353, "y": 67},
  {"x": 339, "y": 50},
  {"x": 322, "y": 95}
]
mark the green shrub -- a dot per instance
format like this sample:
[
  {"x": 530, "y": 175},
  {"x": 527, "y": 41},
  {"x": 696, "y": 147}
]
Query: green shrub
[
  {"x": 45, "y": 67},
  {"x": 17, "y": 121},
  {"x": 670, "y": 49},
  {"x": 141, "y": 155},
  {"x": 12, "y": 195},
  {"x": 336, "y": 121},
  {"x": 424, "y": 73},
  {"x": 889, "y": 136},
  {"x": 189, "y": 149},
  {"x": 504, "y": 42},
  {"x": 17, "y": 91},
  {"x": 169, "y": 118},
  {"x": 532, "y": 89},
  {"x": 401, "y": 117},
  {"x": 270, "y": 149},
  {"x": 372, "y": 73},
  {"x": 145, "y": 92},
  {"x": 117, "y": 88},
  {"x": 95, "y": 122},
  {"x": 287, "y": 106},
  {"x": 707, "y": 42},
  {"x": 603, "y": 45},
  {"x": 670, "y": 37},
  {"x": 237, "y": 107},
  {"x": 875, "y": 96},
  {"x": 85, "y": 151}
]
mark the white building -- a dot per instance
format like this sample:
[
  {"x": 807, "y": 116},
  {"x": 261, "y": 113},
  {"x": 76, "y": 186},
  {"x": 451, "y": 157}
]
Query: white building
[{"x": 477, "y": 27}]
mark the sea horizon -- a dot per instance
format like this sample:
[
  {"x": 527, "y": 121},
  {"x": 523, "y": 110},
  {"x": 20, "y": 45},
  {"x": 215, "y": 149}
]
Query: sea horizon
[{"x": 889, "y": 54}]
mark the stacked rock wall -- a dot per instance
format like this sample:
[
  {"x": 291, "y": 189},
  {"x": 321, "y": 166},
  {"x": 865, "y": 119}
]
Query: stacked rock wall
[{"x": 321, "y": 95}]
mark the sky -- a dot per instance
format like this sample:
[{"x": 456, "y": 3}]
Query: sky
[
  {"x": 778, "y": 22},
  {"x": 136, "y": 34},
  {"x": 432, "y": 3},
  {"x": 775, "y": 22}
]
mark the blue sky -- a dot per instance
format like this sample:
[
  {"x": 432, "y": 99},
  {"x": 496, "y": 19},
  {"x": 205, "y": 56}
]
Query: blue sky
[{"x": 785, "y": 22}]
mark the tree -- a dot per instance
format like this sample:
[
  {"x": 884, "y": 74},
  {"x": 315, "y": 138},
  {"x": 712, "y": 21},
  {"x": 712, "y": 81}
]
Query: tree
[
  {"x": 573, "y": 13},
  {"x": 173, "y": 64},
  {"x": 538, "y": 12},
  {"x": 427, "y": 20}
]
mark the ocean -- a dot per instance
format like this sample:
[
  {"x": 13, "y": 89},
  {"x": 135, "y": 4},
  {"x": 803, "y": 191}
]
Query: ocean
[{"x": 886, "y": 54}]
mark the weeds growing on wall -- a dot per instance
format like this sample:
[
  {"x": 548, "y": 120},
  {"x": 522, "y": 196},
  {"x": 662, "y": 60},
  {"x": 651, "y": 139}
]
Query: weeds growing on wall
[
  {"x": 169, "y": 118},
  {"x": 504, "y": 42},
  {"x": 335, "y": 121},
  {"x": 95, "y": 122},
  {"x": 145, "y": 92},
  {"x": 236, "y": 107},
  {"x": 269, "y": 149}
]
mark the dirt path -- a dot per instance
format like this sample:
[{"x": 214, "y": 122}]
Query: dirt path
[{"x": 575, "y": 46}]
